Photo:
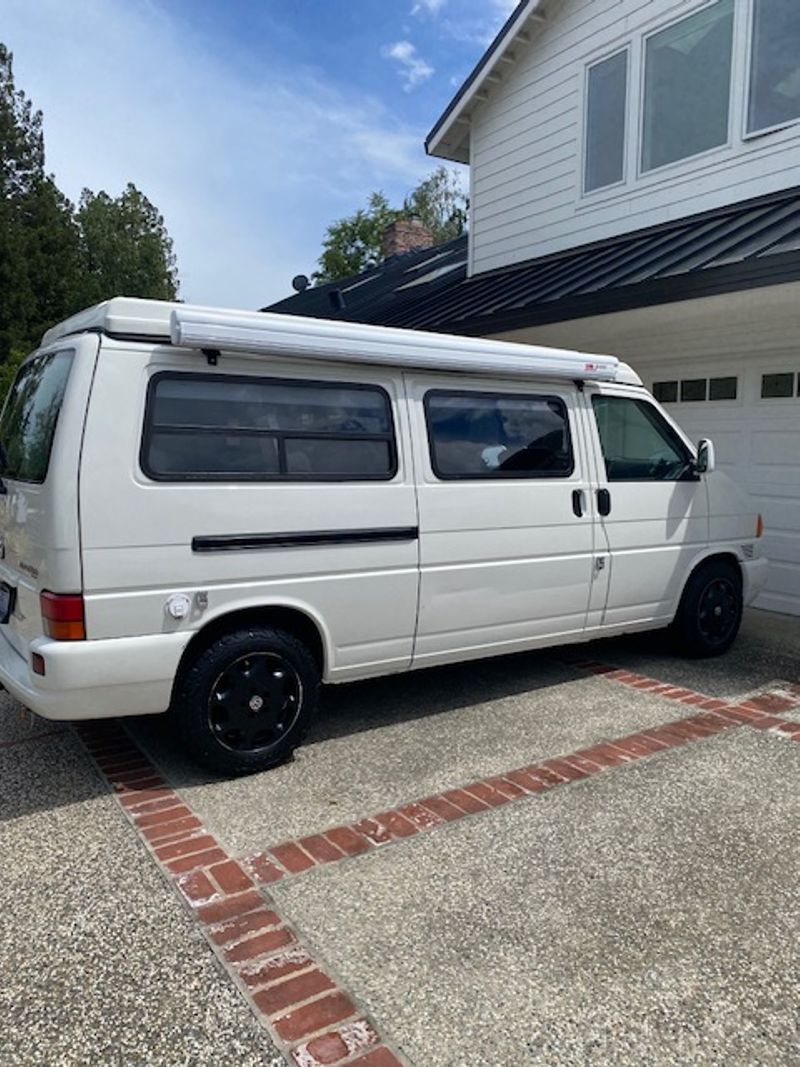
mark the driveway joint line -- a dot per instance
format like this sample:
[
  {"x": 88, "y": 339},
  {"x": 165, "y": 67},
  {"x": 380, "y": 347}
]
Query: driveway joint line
[{"x": 309, "y": 1016}]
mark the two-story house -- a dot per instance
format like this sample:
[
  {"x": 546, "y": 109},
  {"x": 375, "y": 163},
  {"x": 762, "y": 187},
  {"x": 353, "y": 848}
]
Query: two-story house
[{"x": 635, "y": 188}]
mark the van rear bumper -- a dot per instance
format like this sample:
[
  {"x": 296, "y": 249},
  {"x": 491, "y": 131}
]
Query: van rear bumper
[{"x": 94, "y": 679}]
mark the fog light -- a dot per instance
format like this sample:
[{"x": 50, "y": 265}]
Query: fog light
[{"x": 37, "y": 663}]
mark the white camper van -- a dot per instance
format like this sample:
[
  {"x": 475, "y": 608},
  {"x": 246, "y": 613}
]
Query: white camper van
[{"x": 209, "y": 512}]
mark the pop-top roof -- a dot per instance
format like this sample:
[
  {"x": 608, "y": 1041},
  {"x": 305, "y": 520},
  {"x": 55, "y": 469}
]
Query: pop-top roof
[{"x": 261, "y": 334}]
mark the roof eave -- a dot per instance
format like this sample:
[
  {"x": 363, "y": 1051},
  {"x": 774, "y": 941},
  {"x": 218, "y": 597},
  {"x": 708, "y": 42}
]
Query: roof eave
[{"x": 449, "y": 138}]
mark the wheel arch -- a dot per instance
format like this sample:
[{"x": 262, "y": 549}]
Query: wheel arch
[
  {"x": 294, "y": 619},
  {"x": 713, "y": 556}
]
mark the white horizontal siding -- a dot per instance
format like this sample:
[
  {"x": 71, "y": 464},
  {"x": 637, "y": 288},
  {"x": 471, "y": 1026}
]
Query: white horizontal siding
[{"x": 526, "y": 144}]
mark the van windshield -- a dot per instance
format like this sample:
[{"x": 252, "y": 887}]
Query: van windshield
[{"x": 30, "y": 415}]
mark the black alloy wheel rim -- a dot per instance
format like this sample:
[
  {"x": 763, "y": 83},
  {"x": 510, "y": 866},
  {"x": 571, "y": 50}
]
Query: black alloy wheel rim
[
  {"x": 718, "y": 610},
  {"x": 254, "y": 703}
]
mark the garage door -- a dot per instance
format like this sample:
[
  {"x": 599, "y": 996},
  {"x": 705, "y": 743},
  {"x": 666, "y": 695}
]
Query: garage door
[{"x": 751, "y": 410}]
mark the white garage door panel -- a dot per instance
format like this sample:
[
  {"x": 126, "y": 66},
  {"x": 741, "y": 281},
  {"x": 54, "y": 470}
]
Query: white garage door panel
[{"x": 757, "y": 443}]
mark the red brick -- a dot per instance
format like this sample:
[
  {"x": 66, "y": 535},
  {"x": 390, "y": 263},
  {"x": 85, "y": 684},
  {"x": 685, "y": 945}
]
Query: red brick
[
  {"x": 315, "y": 1016},
  {"x": 686, "y": 729},
  {"x": 604, "y": 756},
  {"x": 138, "y": 783},
  {"x": 173, "y": 829},
  {"x": 263, "y": 869},
  {"x": 260, "y": 945},
  {"x": 176, "y": 811},
  {"x": 524, "y": 781},
  {"x": 113, "y": 768},
  {"x": 292, "y": 857},
  {"x": 566, "y": 770},
  {"x": 443, "y": 808},
  {"x": 329, "y": 1048},
  {"x": 230, "y": 877},
  {"x": 767, "y": 722},
  {"x": 135, "y": 800},
  {"x": 648, "y": 743},
  {"x": 196, "y": 887},
  {"x": 739, "y": 714},
  {"x": 379, "y": 1057},
  {"x": 321, "y": 849},
  {"x": 790, "y": 728},
  {"x": 545, "y": 775},
  {"x": 604, "y": 668},
  {"x": 235, "y": 929},
  {"x": 279, "y": 997},
  {"x": 469, "y": 804},
  {"x": 346, "y": 838},
  {"x": 483, "y": 791},
  {"x": 665, "y": 734},
  {"x": 632, "y": 748},
  {"x": 713, "y": 723},
  {"x": 422, "y": 819},
  {"x": 347, "y": 1040},
  {"x": 396, "y": 824},
  {"x": 373, "y": 831},
  {"x": 770, "y": 703},
  {"x": 506, "y": 787},
  {"x": 712, "y": 704},
  {"x": 275, "y": 967},
  {"x": 197, "y": 860},
  {"x": 708, "y": 729},
  {"x": 184, "y": 848}
]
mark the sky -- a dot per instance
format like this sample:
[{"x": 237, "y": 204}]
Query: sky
[{"x": 251, "y": 124}]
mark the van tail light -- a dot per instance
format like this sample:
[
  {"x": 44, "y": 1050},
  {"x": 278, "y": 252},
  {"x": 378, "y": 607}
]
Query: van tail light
[
  {"x": 760, "y": 526},
  {"x": 62, "y": 615}
]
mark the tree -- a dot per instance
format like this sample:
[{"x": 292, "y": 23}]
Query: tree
[
  {"x": 53, "y": 261},
  {"x": 353, "y": 244},
  {"x": 126, "y": 250}
]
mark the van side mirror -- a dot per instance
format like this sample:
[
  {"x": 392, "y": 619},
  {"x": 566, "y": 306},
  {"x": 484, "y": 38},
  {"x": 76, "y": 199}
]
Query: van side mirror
[{"x": 706, "y": 460}]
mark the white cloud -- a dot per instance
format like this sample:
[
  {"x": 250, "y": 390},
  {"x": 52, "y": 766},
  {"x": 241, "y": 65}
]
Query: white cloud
[
  {"x": 430, "y": 7},
  {"x": 413, "y": 68},
  {"x": 247, "y": 169}
]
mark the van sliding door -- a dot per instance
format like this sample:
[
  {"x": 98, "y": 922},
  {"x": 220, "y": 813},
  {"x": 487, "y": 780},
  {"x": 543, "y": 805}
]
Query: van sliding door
[{"x": 506, "y": 517}]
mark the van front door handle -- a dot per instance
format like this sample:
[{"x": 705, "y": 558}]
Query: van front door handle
[
  {"x": 577, "y": 502},
  {"x": 603, "y": 501}
]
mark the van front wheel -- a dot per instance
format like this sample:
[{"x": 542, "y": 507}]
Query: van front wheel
[
  {"x": 710, "y": 611},
  {"x": 245, "y": 702}
]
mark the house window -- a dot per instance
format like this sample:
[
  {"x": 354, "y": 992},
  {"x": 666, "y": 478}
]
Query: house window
[
  {"x": 665, "y": 392},
  {"x": 775, "y": 64},
  {"x": 214, "y": 427},
  {"x": 722, "y": 389},
  {"x": 777, "y": 386},
  {"x": 606, "y": 95},
  {"x": 693, "y": 389},
  {"x": 687, "y": 86}
]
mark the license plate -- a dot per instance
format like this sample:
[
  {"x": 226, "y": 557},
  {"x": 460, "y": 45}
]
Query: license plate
[{"x": 7, "y": 594}]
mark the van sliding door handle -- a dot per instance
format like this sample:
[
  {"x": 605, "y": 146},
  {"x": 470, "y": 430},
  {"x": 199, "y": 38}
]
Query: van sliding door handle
[
  {"x": 603, "y": 501},
  {"x": 577, "y": 502}
]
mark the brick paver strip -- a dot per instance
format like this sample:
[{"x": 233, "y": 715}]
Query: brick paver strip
[
  {"x": 303, "y": 1008},
  {"x": 474, "y": 798},
  {"x": 314, "y": 1021}
]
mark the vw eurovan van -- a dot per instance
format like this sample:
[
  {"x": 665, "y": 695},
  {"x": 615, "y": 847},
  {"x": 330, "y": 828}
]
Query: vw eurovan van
[{"x": 208, "y": 512}]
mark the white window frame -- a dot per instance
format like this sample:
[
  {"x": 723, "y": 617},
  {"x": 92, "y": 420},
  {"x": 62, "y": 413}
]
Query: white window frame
[
  {"x": 642, "y": 174},
  {"x": 750, "y": 36},
  {"x": 627, "y": 48}
]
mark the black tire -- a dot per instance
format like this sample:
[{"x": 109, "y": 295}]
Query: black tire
[
  {"x": 710, "y": 610},
  {"x": 245, "y": 702}
]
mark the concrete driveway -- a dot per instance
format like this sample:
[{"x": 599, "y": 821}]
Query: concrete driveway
[{"x": 582, "y": 857}]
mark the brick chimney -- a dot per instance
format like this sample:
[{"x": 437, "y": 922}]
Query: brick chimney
[{"x": 405, "y": 235}]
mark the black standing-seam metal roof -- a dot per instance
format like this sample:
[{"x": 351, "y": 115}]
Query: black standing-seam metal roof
[{"x": 742, "y": 246}]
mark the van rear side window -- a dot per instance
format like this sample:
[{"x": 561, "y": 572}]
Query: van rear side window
[
  {"x": 30, "y": 415},
  {"x": 217, "y": 427}
]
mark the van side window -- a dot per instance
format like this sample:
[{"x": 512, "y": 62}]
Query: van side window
[
  {"x": 488, "y": 435},
  {"x": 216, "y": 427},
  {"x": 638, "y": 444}
]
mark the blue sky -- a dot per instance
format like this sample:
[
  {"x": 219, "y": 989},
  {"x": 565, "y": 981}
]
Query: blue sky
[{"x": 251, "y": 124}]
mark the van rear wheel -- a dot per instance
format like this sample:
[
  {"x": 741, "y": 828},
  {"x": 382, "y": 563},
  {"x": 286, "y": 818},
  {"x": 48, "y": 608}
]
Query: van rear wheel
[
  {"x": 710, "y": 611},
  {"x": 245, "y": 702}
]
